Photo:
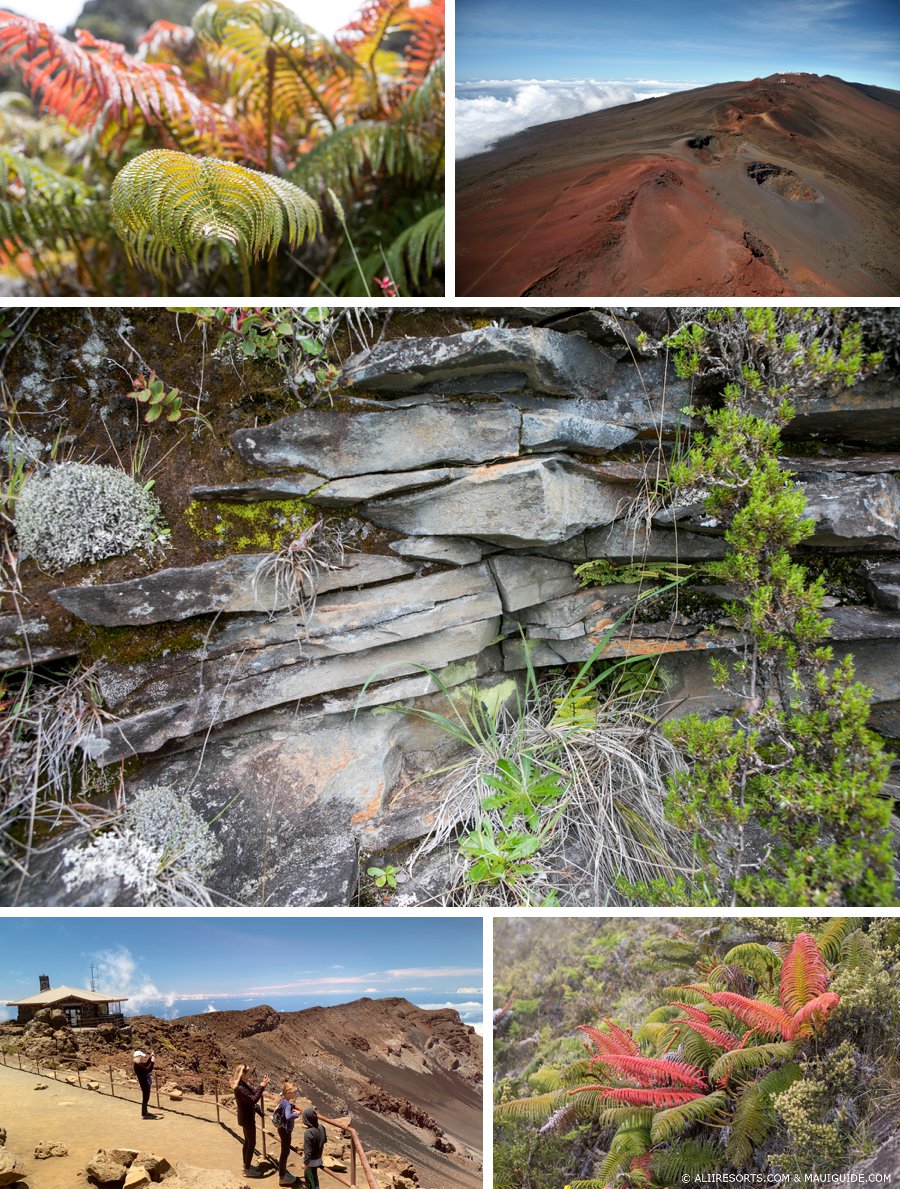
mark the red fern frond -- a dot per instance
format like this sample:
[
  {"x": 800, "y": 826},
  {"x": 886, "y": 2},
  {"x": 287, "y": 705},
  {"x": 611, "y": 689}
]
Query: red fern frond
[
  {"x": 642, "y": 1163},
  {"x": 614, "y": 1042},
  {"x": 167, "y": 37},
  {"x": 364, "y": 36},
  {"x": 814, "y": 1013},
  {"x": 662, "y": 1097},
  {"x": 804, "y": 975},
  {"x": 427, "y": 44},
  {"x": 759, "y": 1015},
  {"x": 715, "y": 1036},
  {"x": 96, "y": 79},
  {"x": 653, "y": 1071},
  {"x": 697, "y": 1014}
]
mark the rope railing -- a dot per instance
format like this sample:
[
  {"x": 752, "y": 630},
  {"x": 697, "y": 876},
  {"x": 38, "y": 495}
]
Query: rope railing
[{"x": 358, "y": 1159}]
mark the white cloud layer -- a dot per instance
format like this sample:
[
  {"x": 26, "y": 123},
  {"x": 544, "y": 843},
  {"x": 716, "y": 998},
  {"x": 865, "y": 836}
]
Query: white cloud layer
[
  {"x": 484, "y": 119},
  {"x": 117, "y": 973}
]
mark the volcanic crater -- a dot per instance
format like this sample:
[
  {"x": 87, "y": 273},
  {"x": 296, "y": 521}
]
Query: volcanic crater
[{"x": 775, "y": 187}]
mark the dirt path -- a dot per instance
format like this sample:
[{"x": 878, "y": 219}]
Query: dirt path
[{"x": 85, "y": 1121}]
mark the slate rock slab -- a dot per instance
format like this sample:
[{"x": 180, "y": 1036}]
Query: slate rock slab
[
  {"x": 227, "y": 585},
  {"x": 524, "y": 581},
  {"x": 851, "y": 512},
  {"x": 530, "y": 357},
  {"x": 578, "y": 425},
  {"x": 868, "y": 414},
  {"x": 344, "y": 493},
  {"x": 455, "y": 551},
  {"x": 625, "y": 542},
  {"x": 533, "y": 501},
  {"x": 337, "y": 444},
  {"x": 253, "y": 491},
  {"x": 855, "y": 511},
  {"x": 24, "y": 640},
  {"x": 303, "y": 679},
  {"x": 883, "y": 585}
]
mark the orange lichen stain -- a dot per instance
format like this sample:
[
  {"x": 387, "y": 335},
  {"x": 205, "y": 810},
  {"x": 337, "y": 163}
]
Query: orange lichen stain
[
  {"x": 370, "y": 809},
  {"x": 645, "y": 647}
]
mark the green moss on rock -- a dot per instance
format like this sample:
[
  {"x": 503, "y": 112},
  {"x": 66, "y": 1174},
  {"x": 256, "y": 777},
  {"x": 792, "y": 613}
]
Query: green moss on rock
[{"x": 263, "y": 527}]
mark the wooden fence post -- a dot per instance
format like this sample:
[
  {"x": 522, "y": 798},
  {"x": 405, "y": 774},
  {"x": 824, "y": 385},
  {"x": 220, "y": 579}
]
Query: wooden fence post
[
  {"x": 78, "y": 1071},
  {"x": 216, "y": 1095},
  {"x": 352, "y": 1164},
  {"x": 156, "y": 1088},
  {"x": 262, "y": 1104},
  {"x": 112, "y": 1089}
]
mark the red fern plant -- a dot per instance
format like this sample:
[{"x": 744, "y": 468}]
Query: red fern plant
[
  {"x": 614, "y": 1042},
  {"x": 93, "y": 80},
  {"x": 658, "y": 1097},
  {"x": 804, "y": 1001}
]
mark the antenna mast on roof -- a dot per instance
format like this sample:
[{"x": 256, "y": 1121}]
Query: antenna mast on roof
[{"x": 93, "y": 984}]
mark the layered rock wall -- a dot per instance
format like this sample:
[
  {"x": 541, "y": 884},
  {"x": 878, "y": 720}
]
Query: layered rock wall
[{"x": 490, "y": 464}]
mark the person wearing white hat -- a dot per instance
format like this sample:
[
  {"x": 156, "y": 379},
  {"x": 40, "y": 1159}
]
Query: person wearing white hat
[{"x": 143, "y": 1071}]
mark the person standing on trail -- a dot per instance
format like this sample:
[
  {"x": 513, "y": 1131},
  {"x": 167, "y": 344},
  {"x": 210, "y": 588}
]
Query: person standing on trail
[
  {"x": 286, "y": 1114},
  {"x": 313, "y": 1146},
  {"x": 143, "y": 1071},
  {"x": 246, "y": 1098}
]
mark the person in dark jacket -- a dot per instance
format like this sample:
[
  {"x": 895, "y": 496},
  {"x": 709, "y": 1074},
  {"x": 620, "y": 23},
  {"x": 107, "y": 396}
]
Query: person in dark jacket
[
  {"x": 288, "y": 1113},
  {"x": 143, "y": 1071},
  {"x": 246, "y": 1100},
  {"x": 313, "y": 1146}
]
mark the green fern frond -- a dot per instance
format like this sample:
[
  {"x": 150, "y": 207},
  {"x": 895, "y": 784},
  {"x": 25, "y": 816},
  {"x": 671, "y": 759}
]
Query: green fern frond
[
  {"x": 776, "y": 1081},
  {"x": 415, "y": 253},
  {"x": 577, "y": 1072},
  {"x": 743, "y": 1061},
  {"x": 756, "y": 960},
  {"x": 656, "y": 1033},
  {"x": 659, "y": 1015},
  {"x": 591, "y": 1104},
  {"x": 628, "y": 1142},
  {"x": 166, "y": 202},
  {"x": 753, "y": 1120},
  {"x": 531, "y": 1110},
  {"x": 545, "y": 1078},
  {"x": 40, "y": 207},
  {"x": 619, "y": 1116},
  {"x": 667, "y": 1124},
  {"x": 367, "y": 149},
  {"x": 857, "y": 951},
  {"x": 687, "y": 994},
  {"x": 831, "y": 937},
  {"x": 695, "y": 1049},
  {"x": 310, "y": 75},
  {"x": 689, "y": 1159}
]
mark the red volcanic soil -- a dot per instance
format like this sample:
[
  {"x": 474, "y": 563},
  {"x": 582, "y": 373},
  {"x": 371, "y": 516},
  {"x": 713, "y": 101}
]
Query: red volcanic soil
[{"x": 776, "y": 187}]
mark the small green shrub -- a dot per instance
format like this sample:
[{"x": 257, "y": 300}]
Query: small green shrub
[
  {"x": 83, "y": 512},
  {"x": 797, "y": 759}
]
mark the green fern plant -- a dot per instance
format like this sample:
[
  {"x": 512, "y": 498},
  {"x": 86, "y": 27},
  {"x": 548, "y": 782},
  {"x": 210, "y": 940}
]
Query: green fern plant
[
  {"x": 249, "y": 88},
  {"x": 166, "y": 204}
]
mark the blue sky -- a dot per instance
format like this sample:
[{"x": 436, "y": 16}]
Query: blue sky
[
  {"x": 175, "y": 966},
  {"x": 858, "y": 40}
]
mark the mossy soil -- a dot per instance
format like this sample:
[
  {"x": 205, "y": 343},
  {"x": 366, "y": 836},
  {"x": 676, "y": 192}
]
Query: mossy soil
[{"x": 69, "y": 380}]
